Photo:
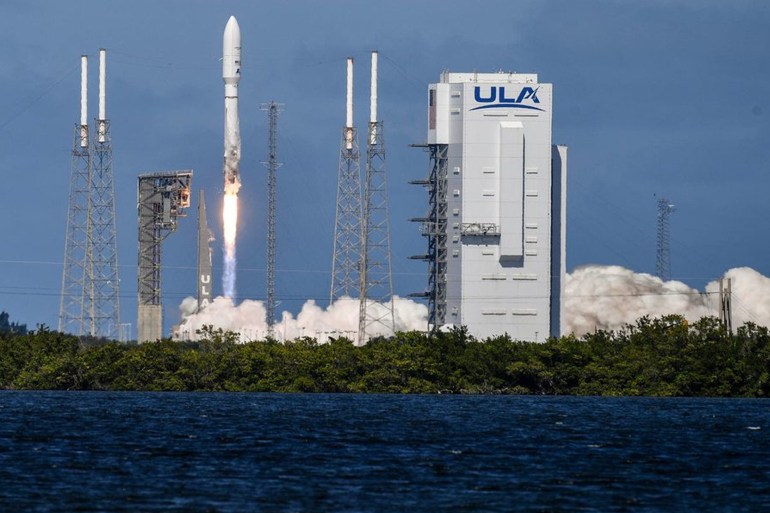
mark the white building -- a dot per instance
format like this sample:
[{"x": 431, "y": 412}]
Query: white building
[{"x": 497, "y": 221}]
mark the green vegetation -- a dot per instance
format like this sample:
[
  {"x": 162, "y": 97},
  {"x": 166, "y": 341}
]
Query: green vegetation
[{"x": 661, "y": 357}]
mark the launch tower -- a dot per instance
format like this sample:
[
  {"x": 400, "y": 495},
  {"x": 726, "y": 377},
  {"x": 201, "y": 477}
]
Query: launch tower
[{"x": 162, "y": 198}]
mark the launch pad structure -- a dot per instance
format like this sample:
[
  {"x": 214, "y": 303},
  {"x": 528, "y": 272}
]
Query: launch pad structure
[{"x": 162, "y": 199}]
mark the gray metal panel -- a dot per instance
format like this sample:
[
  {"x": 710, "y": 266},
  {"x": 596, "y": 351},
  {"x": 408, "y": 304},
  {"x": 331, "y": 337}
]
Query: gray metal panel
[{"x": 558, "y": 236}]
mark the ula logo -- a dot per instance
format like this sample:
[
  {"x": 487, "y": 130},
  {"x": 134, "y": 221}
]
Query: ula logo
[{"x": 497, "y": 98}]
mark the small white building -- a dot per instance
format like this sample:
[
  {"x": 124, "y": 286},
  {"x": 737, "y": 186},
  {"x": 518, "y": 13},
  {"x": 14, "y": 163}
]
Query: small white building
[{"x": 497, "y": 221}]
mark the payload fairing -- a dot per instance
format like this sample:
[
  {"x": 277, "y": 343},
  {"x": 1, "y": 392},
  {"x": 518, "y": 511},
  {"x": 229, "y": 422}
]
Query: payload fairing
[{"x": 231, "y": 74}]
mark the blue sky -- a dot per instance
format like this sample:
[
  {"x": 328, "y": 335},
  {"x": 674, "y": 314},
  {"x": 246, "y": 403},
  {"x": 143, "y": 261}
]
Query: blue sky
[{"x": 654, "y": 97}]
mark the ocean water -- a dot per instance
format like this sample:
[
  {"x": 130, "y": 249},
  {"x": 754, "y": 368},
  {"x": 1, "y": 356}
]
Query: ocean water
[{"x": 144, "y": 452}]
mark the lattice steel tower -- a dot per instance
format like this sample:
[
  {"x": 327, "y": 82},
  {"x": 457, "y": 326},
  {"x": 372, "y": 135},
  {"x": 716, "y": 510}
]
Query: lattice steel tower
[
  {"x": 105, "y": 281},
  {"x": 272, "y": 164},
  {"x": 75, "y": 307},
  {"x": 663, "y": 260},
  {"x": 90, "y": 302},
  {"x": 434, "y": 228},
  {"x": 376, "y": 278},
  {"x": 347, "y": 224},
  {"x": 161, "y": 199}
]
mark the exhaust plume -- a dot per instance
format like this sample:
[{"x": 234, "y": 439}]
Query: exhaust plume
[
  {"x": 340, "y": 319},
  {"x": 596, "y": 298},
  {"x": 609, "y": 297}
]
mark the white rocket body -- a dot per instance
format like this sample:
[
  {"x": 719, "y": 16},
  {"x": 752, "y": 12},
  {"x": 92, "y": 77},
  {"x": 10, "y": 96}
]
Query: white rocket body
[{"x": 231, "y": 74}]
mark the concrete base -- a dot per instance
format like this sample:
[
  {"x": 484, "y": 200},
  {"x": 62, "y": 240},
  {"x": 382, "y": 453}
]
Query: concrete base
[{"x": 149, "y": 323}]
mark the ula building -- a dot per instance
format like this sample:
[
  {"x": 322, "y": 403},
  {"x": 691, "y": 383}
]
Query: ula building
[{"x": 496, "y": 224}]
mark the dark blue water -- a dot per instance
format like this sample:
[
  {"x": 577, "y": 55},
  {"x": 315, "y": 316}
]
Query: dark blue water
[{"x": 259, "y": 452}]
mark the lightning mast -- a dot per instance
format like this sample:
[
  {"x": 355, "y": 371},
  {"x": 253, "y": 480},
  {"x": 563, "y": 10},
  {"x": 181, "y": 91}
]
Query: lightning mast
[
  {"x": 272, "y": 165},
  {"x": 663, "y": 260},
  {"x": 347, "y": 224},
  {"x": 74, "y": 306},
  {"x": 376, "y": 278},
  {"x": 105, "y": 282}
]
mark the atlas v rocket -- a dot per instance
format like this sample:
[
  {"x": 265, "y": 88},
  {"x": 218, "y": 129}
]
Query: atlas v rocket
[{"x": 231, "y": 74}]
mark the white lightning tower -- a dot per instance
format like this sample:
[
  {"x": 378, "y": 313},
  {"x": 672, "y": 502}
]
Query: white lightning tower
[
  {"x": 347, "y": 225},
  {"x": 74, "y": 305},
  {"x": 376, "y": 278},
  {"x": 90, "y": 300},
  {"x": 105, "y": 284}
]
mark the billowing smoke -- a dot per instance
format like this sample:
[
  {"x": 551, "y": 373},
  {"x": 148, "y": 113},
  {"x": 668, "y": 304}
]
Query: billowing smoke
[
  {"x": 596, "y": 298},
  {"x": 337, "y": 320},
  {"x": 609, "y": 297}
]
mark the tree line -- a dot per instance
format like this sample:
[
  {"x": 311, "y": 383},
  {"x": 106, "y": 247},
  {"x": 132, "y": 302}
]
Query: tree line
[{"x": 653, "y": 357}]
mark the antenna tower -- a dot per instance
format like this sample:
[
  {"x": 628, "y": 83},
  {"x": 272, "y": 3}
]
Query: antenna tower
[
  {"x": 272, "y": 164},
  {"x": 376, "y": 278},
  {"x": 663, "y": 260},
  {"x": 347, "y": 224}
]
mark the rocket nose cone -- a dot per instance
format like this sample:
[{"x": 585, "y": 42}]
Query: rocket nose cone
[{"x": 232, "y": 30}]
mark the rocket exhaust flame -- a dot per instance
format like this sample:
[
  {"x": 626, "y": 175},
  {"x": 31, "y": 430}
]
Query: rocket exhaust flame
[{"x": 230, "y": 225}]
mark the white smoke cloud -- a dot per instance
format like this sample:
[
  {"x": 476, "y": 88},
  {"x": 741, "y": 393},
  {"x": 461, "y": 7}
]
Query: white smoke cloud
[
  {"x": 750, "y": 296},
  {"x": 609, "y": 297},
  {"x": 338, "y": 319},
  {"x": 596, "y": 298}
]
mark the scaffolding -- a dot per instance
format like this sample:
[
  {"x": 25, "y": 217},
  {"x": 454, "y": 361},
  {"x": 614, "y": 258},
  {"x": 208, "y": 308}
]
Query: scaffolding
[
  {"x": 162, "y": 198},
  {"x": 434, "y": 229}
]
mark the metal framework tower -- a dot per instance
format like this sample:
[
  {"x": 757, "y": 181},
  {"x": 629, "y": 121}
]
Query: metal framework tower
[
  {"x": 347, "y": 224},
  {"x": 74, "y": 306},
  {"x": 272, "y": 165},
  {"x": 90, "y": 301},
  {"x": 162, "y": 198},
  {"x": 663, "y": 260},
  {"x": 105, "y": 281},
  {"x": 376, "y": 278},
  {"x": 434, "y": 228}
]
